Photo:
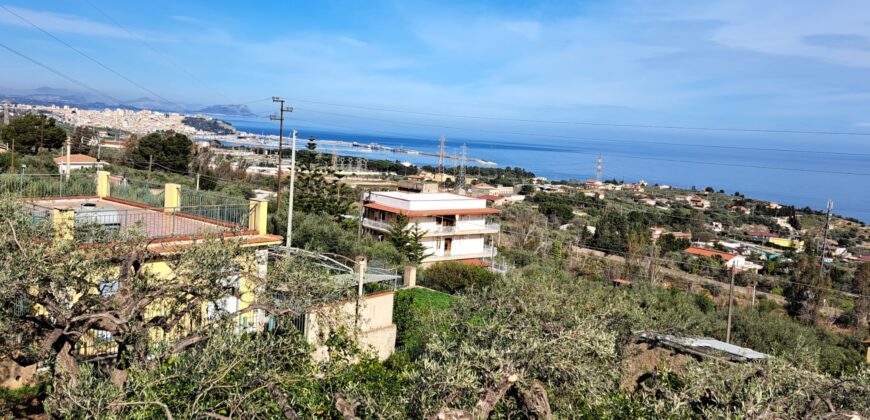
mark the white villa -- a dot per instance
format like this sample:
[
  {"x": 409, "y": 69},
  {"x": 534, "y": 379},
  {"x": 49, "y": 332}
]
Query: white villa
[{"x": 456, "y": 226}]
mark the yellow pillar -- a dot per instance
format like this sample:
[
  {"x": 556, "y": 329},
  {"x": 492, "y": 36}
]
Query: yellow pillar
[
  {"x": 102, "y": 184},
  {"x": 259, "y": 216},
  {"x": 171, "y": 197},
  {"x": 63, "y": 221}
]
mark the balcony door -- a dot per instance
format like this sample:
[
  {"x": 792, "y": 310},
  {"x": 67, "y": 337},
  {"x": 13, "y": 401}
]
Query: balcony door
[
  {"x": 445, "y": 221},
  {"x": 448, "y": 245}
]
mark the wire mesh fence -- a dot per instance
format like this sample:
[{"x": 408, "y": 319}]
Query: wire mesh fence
[
  {"x": 139, "y": 192},
  {"x": 47, "y": 185},
  {"x": 199, "y": 198}
]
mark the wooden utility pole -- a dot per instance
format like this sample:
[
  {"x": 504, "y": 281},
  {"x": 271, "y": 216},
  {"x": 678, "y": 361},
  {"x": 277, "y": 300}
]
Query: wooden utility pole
[
  {"x": 825, "y": 240},
  {"x": 730, "y": 307},
  {"x": 280, "y": 118},
  {"x": 150, "y": 163}
]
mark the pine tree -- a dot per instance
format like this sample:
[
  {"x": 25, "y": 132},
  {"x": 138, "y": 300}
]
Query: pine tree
[{"x": 315, "y": 192}]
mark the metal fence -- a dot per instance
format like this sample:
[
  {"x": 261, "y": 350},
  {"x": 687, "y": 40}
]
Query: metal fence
[
  {"x": 199, "y": 198},
  {"x": 104, "y": 222},
  {"x": 47, "y": 185},
  {"x": 139, "y": 192}
]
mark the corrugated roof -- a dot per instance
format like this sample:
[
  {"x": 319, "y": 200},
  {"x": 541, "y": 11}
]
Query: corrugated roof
[{"x": 704, "y": 345}]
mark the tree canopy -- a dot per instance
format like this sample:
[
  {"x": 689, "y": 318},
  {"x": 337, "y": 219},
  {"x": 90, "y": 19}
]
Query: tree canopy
[
  {"x": 170, "y": 151},
  {"x": 33, "y": 132}
]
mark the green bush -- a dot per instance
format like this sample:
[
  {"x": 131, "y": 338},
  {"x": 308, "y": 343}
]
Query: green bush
[
  {"x": 411, "y": 311},
  {"x": 452, "y": 277}
]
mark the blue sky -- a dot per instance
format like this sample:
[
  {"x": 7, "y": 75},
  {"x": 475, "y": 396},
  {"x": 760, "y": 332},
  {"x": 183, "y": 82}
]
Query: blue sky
[{"x": 773, "y": 64}]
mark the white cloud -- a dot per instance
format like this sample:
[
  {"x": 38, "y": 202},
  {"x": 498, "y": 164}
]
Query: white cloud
[
  {"x": 56, "y": 22},
  {"x": 789, "y": 28}
]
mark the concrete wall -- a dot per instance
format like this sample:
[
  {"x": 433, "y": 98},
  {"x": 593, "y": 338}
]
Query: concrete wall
[
  {"x": 439, "y": 201},
  {"x": 470, "y": 244},
  {"x": 375, "y": 328}
]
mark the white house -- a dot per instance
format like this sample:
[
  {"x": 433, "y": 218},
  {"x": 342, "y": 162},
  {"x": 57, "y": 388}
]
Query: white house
[
  {"x": 455, "y": 225},
  {"x": 76, "y": 162}
]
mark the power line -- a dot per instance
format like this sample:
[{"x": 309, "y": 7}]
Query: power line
[
  {"x": 158, "y": 52},
  {"x": 597, "y": 139},
  {"x": 94, "y": 60},
  {"x": 59, "y": 73},
  {"x": 718, "y": 269},
  {"x": 655, "y": 126},
  {"x": 612, "y": 154}
]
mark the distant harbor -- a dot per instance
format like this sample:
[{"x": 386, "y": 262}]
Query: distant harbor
[{"x": 271, "y": 142}]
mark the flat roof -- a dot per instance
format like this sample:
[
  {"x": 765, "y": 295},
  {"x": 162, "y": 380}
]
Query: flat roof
[
  {"x": 411, "y": 196},
  {"x": 438, "y": 212},
  {"x": 153, "y": 222}
]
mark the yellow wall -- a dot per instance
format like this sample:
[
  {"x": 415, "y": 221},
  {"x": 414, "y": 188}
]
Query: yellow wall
[{"x": 787, "y": 243}]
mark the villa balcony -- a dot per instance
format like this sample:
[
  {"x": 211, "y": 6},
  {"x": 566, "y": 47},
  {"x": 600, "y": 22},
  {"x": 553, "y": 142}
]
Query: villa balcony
[
  {"x": 463, "y": 229},
  {"x": 441, "y": 255}
]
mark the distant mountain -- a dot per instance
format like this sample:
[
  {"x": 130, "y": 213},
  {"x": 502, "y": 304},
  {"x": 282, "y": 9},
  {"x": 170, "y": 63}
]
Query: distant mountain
[
  {"x": 86, "y": 100},
  {"x": 231, "y": 110}
]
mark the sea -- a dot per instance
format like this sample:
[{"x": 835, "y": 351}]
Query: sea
[{"x": 787, "y": 168}]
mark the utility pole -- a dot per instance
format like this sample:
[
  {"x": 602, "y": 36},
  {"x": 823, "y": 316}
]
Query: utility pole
[
  {"x": 460, "y": 180},
  {"x": 99, "y": 147},
  {"x": 280, "y": 118},
  {"x": 150, "y": 162},
  {"x": 197, "y": 181},
  {"x": 68, "y": 156},
  {"x": 730, "y": 307},
  {"x": 441, "y": 144},
  {"x": 825, "y": 240},
  {"x": 292, "y": 191}
]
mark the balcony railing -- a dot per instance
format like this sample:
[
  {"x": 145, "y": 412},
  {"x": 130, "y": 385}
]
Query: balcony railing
[
  {"x": 462, "y": 228},
  {"x": 466, "y": 227},
  {"x": 102, "y": 222},
  {"x": 375, "y": 224}
]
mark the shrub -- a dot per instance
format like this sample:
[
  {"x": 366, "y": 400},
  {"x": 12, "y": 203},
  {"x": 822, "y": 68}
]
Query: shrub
[
  {"x": 452, "y": 277},
  {"x": 410, "y": 312}
]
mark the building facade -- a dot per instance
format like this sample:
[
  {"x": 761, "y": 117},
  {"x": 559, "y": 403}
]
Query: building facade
[{"x": 456, "y": 227}]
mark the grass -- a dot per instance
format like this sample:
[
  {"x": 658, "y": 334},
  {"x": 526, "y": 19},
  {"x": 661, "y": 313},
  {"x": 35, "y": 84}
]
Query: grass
[
  {"x": 427, "y": 298},
  {"x": 417, "y": 313}
]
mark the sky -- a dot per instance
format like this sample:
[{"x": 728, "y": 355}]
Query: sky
[{"x": 769, "y": 64}]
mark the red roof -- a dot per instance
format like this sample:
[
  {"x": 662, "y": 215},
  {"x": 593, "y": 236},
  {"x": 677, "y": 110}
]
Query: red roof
[
  {"x": 75, "y": 159},
  {"x": 439, "y": 212},
  {"x": 491, "y": 197},
  {"x": 709, "y": 253}
]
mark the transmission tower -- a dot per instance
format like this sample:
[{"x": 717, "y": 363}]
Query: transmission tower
[
  {"x": 460, "y": 179},
  {"x": 441, "y": 144},
  {"x": 599, "y": 168},
  {"x": 334, "y": 160}
]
